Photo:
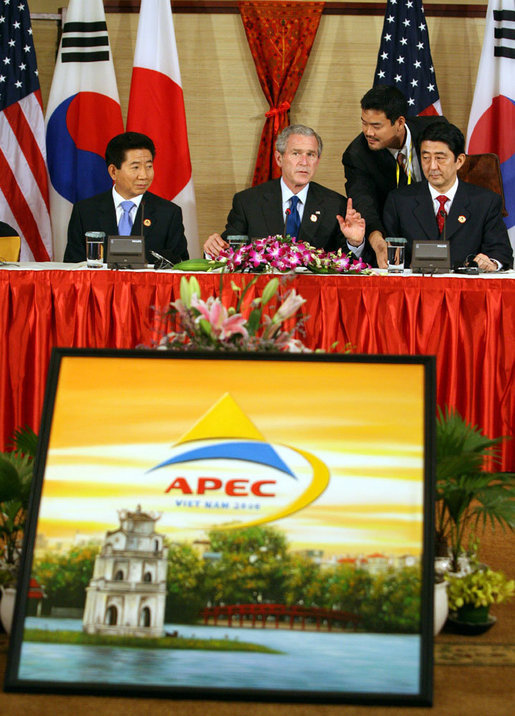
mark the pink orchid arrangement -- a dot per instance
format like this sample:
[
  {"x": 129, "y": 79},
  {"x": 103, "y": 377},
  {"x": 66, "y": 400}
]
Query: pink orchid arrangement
[
  {"x": 337, "y": 262},
  {"x": 282, "y": 254},
  {"x": 210, "y": 325}
]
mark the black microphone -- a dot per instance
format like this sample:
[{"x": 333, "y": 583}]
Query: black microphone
[
  {"x": 142, "y": 213},
  {"x": 443, "y": 214},
  {"x": 286, "y": 215},
  {"x": 141, "y": 234}
]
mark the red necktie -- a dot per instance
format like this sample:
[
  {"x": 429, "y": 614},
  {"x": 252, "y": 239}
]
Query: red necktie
[{"x": 441, "y": 214}]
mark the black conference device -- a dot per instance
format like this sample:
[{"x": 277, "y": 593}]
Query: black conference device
[
  {"x": 126, "y": 252},
  {"x": 431, "y": 257}
]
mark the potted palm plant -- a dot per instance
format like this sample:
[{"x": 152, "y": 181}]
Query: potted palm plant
[
  {"x": 467, "y": 496},
  {"x": 16, "y": 467}
]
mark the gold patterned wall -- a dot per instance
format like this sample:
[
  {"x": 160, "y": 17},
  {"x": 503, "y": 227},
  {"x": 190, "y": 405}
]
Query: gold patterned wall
[{"x": 225, "y": 106}]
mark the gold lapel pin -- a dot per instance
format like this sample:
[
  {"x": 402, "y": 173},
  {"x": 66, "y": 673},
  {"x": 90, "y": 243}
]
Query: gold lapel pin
[
  {"x": 313, "y": 217},
  {"x": 462, "y": 219},
  {"x": 147, "y": 222}
]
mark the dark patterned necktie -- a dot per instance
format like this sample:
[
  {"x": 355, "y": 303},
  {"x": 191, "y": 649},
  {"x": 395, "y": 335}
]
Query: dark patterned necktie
[
  {"x": 441, "y": 214},
  {"x": 293, "y": 220},
  {"x": 403, "y": 177}
]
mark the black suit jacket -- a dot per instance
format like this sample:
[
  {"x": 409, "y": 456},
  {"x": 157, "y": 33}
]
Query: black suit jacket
[
  {"x": 474, "y": 224},
  {"x": 371, "y": 175},
  {"x": 257, "y": 213},
  {"x": 6, "y": 230},
  {"x": 164, "y": 234}
]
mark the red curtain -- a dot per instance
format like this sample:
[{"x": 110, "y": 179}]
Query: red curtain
[{"x": 280, "y": 37}]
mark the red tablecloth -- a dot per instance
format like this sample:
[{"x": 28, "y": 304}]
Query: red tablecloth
[{"x": 468, "y": 324}]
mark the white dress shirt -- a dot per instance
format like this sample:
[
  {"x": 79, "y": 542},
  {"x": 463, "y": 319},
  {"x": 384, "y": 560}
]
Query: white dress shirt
[
  {"x": 303, "y": 195},
  {"x": 450, "y": 194},
  {"x": 287, "y": 195},
  {"x": 411, "y": 162},
  {"x": 136, "y": 200}
]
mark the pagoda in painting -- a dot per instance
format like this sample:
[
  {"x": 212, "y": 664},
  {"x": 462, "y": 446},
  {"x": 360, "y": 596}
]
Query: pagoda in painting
[{"x": 127, "y": 593}]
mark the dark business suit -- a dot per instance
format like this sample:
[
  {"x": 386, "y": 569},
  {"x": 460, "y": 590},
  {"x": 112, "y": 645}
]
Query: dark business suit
[
  {"x": 6, "y": 230},
  {"x": 257, "y": 212},
  {"x": 474, "y": 224},
  {"x": 371, "y": 175},
  {"x": 159, "y": 220}
]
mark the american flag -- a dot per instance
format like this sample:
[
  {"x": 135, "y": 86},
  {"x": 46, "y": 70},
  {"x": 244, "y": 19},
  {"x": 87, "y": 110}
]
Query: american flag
[
  {"x": 404, "y": 58},
  {"x": 23, "y": 173}
]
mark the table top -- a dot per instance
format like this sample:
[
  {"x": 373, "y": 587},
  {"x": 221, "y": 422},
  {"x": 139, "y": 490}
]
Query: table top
[{"x": 60, "y": 266}]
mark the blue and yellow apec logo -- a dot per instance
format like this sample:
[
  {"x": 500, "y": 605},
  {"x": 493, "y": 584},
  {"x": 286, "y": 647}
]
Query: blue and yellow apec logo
[{"x": 223, "y": 472}]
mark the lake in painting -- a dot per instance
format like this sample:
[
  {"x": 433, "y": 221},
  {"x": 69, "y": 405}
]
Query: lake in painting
[{"x": 309, "y": 661}]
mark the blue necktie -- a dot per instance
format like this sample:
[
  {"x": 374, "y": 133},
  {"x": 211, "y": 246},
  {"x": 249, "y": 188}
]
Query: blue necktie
[
  {"x": 293, "y": 220},
  {"x": 125, "y": 225}
]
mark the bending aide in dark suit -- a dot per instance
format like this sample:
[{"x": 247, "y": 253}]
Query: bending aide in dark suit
[{"x": 371, "y": 174}]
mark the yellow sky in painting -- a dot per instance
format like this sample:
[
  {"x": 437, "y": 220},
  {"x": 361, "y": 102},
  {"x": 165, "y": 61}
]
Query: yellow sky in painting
[
  {"x": 154, "y": 400},
  {"x": 364, "y": 420}
]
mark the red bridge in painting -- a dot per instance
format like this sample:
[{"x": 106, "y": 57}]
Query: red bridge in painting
[{"x": 296, "y": 616}]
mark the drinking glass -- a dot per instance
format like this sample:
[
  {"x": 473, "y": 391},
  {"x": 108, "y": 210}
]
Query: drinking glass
[
  {"x": 396, "y": 250},
  {"x": 95, "y": 249}
]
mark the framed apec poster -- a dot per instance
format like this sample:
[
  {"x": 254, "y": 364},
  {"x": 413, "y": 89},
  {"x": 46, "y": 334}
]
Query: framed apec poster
[{"x": 226, "y": 526}]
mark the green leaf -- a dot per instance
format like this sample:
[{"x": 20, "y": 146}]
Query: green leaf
[
  {"x": 206, "y": 327},
  {"x": 185, "y": 292},
  {"x": 10, "y": 479},
  {"x": 25, "y": 441},
  {"x": 253, "y": 321},
  {"x": 195, "y": 265},
  {"x": 194, "y": 287},
  {"x": 269, "y": 291},
  {"x": 243, "y": 293}
]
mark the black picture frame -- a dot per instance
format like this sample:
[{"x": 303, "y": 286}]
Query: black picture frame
[{"x": 157, "y": 371}]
